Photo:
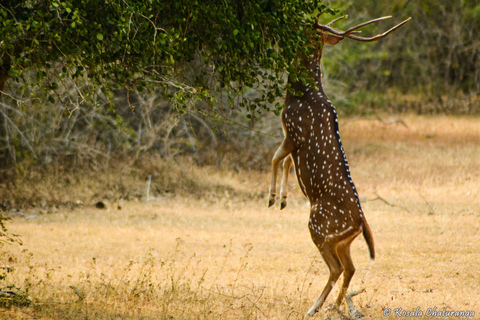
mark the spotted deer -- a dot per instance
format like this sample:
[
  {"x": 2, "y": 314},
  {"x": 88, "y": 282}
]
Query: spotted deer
[{"x": 312, "y": 144}]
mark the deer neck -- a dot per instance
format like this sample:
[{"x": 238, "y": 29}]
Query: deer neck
[{"x": 311, "y": 62}]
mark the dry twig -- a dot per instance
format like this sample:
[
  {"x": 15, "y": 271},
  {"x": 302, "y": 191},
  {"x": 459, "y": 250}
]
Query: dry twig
[
  {"x": 387, "y": 202},
  {"x": 377, "y": 117},
  {"x": 354, "y": 313}
]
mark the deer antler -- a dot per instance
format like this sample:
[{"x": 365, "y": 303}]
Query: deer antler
[
  {"x": 332, "y": 22},
  {"x": 349, "y": 33}
]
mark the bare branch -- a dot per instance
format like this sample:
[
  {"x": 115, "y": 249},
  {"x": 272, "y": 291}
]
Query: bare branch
[{"x": 20, "y": 132}]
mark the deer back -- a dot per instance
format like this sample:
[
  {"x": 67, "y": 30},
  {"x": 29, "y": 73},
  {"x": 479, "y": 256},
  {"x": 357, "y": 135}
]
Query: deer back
[{"x": 311, "y": 121}]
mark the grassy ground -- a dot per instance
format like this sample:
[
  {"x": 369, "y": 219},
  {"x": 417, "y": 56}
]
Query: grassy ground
[{"x": 224, "y": 255}]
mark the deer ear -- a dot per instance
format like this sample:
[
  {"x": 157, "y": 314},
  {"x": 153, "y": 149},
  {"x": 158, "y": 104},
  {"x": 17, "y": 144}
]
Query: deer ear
[{"x": 331, "y": 39}]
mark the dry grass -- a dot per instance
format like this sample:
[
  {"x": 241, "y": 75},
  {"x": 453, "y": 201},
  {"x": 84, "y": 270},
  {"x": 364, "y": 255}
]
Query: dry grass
[{"x": 226, "y": 256}]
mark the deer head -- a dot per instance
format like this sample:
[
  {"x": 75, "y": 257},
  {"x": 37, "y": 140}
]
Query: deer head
[{"x": 326, "y": 34}]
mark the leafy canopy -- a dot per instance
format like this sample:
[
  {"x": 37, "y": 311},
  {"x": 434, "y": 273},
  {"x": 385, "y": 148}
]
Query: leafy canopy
[{"x": 190, "y": 48}]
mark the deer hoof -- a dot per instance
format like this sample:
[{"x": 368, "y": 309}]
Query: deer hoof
[
  {"x": 312, "y": 312},
  {"x": 271, "y": 202},
  {"x": 283, "y": 205}
]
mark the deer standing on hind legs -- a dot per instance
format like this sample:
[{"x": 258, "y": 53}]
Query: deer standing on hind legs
[{"x": 312, "y": 144}]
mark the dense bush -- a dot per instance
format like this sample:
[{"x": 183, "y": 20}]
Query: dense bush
[
  {"x": 165, "y": 78},
  {"x": 90, "y": 78}
]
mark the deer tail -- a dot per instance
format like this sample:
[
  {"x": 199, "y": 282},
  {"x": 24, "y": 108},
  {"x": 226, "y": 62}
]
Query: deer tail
[{"x": 367, "y": 234}]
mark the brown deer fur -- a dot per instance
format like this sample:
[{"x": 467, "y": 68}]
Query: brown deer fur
[{"x": 312, "y": 144}]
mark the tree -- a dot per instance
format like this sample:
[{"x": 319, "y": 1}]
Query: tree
[{"x": 188, "y": 48}]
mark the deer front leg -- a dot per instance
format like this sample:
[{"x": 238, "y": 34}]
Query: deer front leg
[
  {"x": 287, "y": 164},
  {"x": 284, "y": 150}
]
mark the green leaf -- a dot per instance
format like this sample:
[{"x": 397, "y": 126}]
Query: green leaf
[
  {"x": 235, "y": 32},
  {"x": 13, "y": 73},
  {"x": 100, "y": 36}
]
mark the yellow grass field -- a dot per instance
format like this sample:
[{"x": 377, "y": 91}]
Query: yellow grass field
[{"x": 228, "y": 256}]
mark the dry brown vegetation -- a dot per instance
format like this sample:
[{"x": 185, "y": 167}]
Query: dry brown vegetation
[{"x": 223, "y": 255}]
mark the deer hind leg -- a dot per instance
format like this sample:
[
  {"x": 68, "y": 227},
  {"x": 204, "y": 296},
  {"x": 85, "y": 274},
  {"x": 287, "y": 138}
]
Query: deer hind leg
[
  {"x": 343, "y": 250},
  {"x": 329, "y": 254},
  {"x": 284, "y": 150},
  {"x": 287, "y": 164}
]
